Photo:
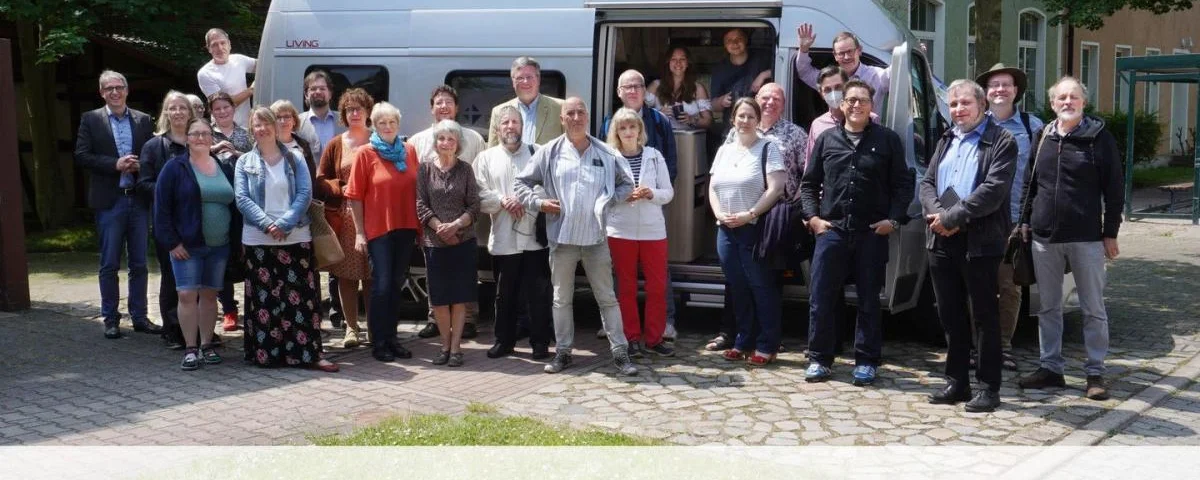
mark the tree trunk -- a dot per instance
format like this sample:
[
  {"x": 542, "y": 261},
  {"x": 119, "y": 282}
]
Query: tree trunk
[
  {"x": 987, "y": 31},
  {"x": 52, "y": 201}
]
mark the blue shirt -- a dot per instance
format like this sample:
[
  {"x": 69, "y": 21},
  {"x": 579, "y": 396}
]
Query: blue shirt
[
  {"x": 122, "y": 130},
  {"x": 1017, "y": 129},
  {"x": 961, "y": 165},
  {"x": 324, "y": 126},
  {"x": 529, "y": 120}
]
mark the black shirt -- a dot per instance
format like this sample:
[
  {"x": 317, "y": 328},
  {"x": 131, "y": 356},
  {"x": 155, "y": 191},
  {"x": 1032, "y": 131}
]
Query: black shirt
[{"x": 855, "y": 186}]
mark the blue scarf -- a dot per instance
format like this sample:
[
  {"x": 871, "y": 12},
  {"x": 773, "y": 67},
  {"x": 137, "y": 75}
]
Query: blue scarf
[{"x": 393, "y": 152}]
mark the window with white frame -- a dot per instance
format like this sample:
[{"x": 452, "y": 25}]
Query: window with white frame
[
  {"x": 1151, "y": 91},
  {"x": 971, "y": 67},
  {"x": 923, "y": 21},
  {"x": 1029, "y": 42},
  {"x": 1120, "y": 84},
  {"x": 1089, "y": 69}
]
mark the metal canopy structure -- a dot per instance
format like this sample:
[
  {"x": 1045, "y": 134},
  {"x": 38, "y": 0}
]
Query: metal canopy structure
[{"x": 1162, "y": 69}]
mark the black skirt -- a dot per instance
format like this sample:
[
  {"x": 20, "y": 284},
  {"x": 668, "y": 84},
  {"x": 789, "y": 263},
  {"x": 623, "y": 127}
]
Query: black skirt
[{"x": 451, "y": 274}]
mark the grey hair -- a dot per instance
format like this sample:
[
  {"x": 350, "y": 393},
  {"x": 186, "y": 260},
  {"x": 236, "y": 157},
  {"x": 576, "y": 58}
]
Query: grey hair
[
  {"x": 451, "y": 127},
  {"x": 525, "y": 61},
  {"x": 383, "y": 109},
  {"x": 1053, "y": 88},
  {"x": 968, "y": 84},
  {"x": 507, "y": 110},
  {"x": 108, "y": 75}
]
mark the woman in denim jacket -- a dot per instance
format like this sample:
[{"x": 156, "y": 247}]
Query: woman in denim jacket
[{"x": 273, "y": 188}]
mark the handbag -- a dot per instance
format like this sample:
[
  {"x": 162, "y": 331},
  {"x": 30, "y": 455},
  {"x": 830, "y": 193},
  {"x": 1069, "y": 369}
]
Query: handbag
[
  {"x": 774, "y": 242},
  {"x": 1019, "y": 251},
  {"x": 326, "y": 247}
]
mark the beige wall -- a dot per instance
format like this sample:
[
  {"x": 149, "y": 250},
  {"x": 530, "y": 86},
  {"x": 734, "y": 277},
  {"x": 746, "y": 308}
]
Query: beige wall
[{"x": 1142, "y": 30}]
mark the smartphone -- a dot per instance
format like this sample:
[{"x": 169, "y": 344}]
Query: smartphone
[{"x": 677, "y": 110}]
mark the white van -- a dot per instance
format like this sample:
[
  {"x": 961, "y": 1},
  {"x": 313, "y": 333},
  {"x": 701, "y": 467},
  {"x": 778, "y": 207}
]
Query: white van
[{"x": 400, "y": 50}]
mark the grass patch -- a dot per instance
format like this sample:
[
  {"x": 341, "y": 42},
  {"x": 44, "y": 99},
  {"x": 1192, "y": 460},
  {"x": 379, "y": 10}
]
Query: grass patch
[
  {"x": 77, "y": 238},
  {"x": 479, "y": 426},
  {"x": 1153, "y": 177}
]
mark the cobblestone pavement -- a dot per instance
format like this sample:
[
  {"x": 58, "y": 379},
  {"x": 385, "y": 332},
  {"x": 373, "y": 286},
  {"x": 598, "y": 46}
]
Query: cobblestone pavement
[{"x": 62, "y": 383}]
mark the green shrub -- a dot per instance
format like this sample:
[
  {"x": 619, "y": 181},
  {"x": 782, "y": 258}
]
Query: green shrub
[{"x": 1146, "y": 129}]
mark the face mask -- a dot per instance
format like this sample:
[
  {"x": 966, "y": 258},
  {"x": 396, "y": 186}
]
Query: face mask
[{"x": 833, "y": 98}]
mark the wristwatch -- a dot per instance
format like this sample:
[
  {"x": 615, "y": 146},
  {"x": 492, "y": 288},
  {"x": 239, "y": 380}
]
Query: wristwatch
[{"x": 895, "y": 224}]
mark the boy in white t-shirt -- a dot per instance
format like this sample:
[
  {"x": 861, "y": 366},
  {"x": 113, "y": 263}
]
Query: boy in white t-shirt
[{"x": 227, "y": 73}]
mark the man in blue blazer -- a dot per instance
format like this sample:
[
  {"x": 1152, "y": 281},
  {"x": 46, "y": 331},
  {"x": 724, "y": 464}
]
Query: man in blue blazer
[{"x": 106, "y": 147}]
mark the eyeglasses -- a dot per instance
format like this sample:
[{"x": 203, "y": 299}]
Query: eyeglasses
[
  {"x": 524, "y": 79},
  {"x": 844, "y": 54},
  {"x": 857, "y": 101},
  {"x": 631, "y": 88},
  {"x": 199, "y": 134},
  {"x": 114, "y": 88},
  {"x": 1000, "y": 85}
]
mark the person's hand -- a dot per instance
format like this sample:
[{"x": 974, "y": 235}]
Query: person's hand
[
  {"x": 935, "y": 224},
  {"x": 513, "y": 207},
  {"x": 179, "y": 253},
  {"x": 735, "y": 220},
  {"x": 882, "y": 227},
  {"x": 805, "y": 37},
  {"x": 725, "y": 100},
  {"x": 124, "y": 164},
  {"x": 760, "y": 80},
  {"x": 819, "y": 225},
  {"x": 1111, "y": 250},
  {"x": 551, "y": 206},
  {"x": 276, "y": 233},
  {"x": 360, "y": 243},
  {"x": 221, "y": 146},
  {"x": 1024, "y": 232},
  {"x": 448, "y": 231},
  {"x": 644, "y": 193}
]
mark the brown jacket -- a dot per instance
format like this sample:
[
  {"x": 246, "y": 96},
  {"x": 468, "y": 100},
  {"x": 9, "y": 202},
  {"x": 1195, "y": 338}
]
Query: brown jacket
[{"x": 329, "y": 184}]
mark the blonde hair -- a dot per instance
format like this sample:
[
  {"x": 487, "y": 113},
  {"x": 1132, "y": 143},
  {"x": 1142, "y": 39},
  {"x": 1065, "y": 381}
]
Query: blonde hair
[
  {"x": 623, "y": 116},
  {"x": 285, "y": 106},
  {"x": 382, "y": 109},
  {"x": 263, "y": 114},
  {"x": 164, "y": 123}
]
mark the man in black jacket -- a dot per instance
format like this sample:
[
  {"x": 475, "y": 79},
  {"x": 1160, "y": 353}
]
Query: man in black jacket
[
  {"x": 1076, "y": 193},
  {"x": 854, "y": 193},
  {"x": 110, "y": 137},
  {"x": 965, "y": 198}
]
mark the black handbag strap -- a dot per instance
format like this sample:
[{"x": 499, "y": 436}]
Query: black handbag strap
[{"x": 1037, "y": 152}]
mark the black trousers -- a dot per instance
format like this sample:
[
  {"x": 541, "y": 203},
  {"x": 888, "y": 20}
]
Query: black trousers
[
  {"x": 957, "y": 280},
  {"x": 524, "y": 278},
  {"x": 168, "y": 297}
]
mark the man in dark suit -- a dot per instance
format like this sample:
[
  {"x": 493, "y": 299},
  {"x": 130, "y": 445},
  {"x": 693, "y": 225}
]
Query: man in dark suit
[{"x": 107, "y": 145}]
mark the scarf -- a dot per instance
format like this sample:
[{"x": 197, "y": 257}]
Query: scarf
[{"x": 392, "y": 152}]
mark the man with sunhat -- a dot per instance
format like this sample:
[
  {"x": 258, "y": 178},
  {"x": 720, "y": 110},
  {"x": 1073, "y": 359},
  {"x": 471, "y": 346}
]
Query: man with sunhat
[{"x": 1005, "y": 87}]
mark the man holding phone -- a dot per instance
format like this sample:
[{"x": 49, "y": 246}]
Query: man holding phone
[{"x": 108, "y": 137}]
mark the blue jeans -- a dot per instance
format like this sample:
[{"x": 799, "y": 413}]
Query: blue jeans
[
  {"x": 204, "y": 268},
  {"x": 755, "y": 295},
  {"x": 389, "y": 255},
  {"x": 837, "y": 253},
  {"x": 123, "y": 227}
]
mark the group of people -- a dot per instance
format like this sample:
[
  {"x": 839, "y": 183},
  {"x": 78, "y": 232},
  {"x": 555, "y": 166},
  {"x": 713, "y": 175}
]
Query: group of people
[{"x": 231, "y": 205}]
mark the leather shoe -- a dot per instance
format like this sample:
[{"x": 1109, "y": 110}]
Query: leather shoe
[
  {"x": 984, "y": 401},
  {"x": 399, "y": 351},
  {"x": 383, "y": 355},
  {"x": 541, "y": 353},
  {"x": 499, "y": 350},
  {"x": 148, "y": 328},
  {"x": 112, "y": 333},
  {"x": 951, "y": 395}
]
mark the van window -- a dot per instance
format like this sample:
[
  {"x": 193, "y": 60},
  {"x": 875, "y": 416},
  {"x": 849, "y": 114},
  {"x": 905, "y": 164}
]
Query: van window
[
  {"x": 372, "y": 78},
  {"x": 481, "y": 90},
  {"x": 924, "y": 111}
]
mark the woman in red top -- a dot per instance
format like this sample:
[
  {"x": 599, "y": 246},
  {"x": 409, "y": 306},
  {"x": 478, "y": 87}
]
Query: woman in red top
[{"x": 382, "y": 193}]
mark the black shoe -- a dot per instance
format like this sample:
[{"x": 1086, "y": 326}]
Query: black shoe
[
  {"x": 216, "y": 340},
  {"x": 430, "y": 331},
  {"x": 172, "y": 343},
  {"x": 635, "y": 350},
  {"x": 383, "y": 355},
  {"x": 561, "y": 361},
  {"x": 499, "y": 350},
  {"x": 148, "y": 328},
  {"x": 112, "y": 333},
  {"x": 951, "y": 395},
  {"x": 399, "y": 351},
  {"x": 1042, "y": 378},
  {"x": 469, "y": 331},
  {"x": 1096, "y": 388},
  {"x": 540, "y": 353},
  {"x": 984, "y": 401},
  {"x": 336, "y": 319},
  {"x": 662, "y": 350}
]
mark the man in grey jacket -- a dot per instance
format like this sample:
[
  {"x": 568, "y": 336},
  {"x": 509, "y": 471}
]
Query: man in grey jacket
[{"x": 581, "y": 177}]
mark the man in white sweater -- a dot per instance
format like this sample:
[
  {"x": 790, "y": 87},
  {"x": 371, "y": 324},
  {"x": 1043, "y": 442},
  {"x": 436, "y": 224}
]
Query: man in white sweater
[{"x": 517, "y": 242}]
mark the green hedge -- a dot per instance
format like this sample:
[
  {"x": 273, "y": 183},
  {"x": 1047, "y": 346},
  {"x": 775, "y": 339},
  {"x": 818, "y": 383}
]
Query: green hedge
[{"x": 1147, "y": 130}]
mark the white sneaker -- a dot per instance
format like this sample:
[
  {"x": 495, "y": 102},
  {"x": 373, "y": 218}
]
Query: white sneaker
[{"x": 351, "y": 339}]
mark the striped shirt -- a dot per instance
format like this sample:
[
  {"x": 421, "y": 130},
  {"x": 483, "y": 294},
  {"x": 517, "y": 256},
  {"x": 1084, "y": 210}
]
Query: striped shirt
[
  {"x": 582, "y": 182},
  {"x": 737, "y": 176},
  {"x": 635, "y": 166}
]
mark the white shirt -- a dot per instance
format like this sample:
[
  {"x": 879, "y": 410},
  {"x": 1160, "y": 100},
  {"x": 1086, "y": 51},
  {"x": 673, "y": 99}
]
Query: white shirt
[
  {"x": 737, "y": 177},
  {"x": 275, "y": 204},
  {"x": 425, "y": 145},
  {"x": 495, "y": 171},
  {"x": 230, "y": 78}
]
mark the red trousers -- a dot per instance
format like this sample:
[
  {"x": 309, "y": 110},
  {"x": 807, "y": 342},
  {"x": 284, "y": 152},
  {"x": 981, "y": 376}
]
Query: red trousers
[{"x": 651, "y": 255}]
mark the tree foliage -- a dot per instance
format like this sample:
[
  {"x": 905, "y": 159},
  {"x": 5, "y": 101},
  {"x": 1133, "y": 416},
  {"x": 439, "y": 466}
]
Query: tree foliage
[{"x": 1090, "y": 14}]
